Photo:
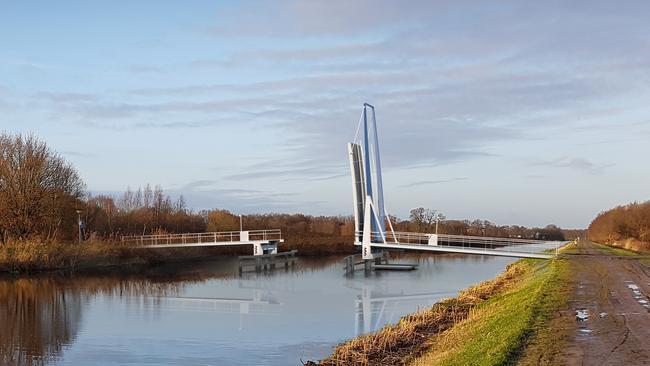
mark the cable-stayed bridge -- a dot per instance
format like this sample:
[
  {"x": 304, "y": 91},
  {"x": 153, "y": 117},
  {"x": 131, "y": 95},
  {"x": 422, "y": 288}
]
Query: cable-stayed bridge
[{"x": 371, "y": 216}]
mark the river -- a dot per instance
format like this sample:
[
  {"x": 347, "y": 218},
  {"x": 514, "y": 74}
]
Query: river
[{"x": 206, "y": 314}]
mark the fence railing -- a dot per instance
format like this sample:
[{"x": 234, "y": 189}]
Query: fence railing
[
  {"x": 469, "y": 242},
  {"x": 203, "y": 238}
]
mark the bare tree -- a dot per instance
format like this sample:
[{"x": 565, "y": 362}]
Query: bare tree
[
  {"x": 38, "y": 189},
  {"x": 423, "y": 218}
]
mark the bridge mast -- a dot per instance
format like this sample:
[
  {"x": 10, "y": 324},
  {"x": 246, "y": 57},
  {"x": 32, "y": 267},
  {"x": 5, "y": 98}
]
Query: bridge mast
[{"x": 368, "y": 195}]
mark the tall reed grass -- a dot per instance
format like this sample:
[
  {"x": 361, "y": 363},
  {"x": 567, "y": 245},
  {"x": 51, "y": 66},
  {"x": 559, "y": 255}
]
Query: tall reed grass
[{"x": 399, "y": 344}]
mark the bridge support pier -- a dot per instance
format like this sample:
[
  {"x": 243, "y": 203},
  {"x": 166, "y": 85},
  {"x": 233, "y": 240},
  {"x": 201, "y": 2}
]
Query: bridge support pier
[
  {"x": 267, "y": 261},
  {"x": 383, "y": 257}
]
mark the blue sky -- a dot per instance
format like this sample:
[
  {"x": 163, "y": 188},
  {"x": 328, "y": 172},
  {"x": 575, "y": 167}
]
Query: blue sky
[{"x": 520, "y": 112}]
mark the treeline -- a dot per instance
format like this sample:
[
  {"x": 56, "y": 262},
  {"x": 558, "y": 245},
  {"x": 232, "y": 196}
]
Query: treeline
[
  {"x": 109, "y": 219},
  {"x": 425, "y": 220},
  {"x": 623, "y": 223},
  {"x": 139, "y": 212}
]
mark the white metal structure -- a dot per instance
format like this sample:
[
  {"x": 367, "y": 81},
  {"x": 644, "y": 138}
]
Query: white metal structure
[
  {"x": 263, "y": 241},
  {"x": 370, "y": 215}
]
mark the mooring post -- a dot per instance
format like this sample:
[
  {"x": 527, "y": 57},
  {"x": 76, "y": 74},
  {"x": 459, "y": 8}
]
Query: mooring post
[{"x": 367, "y": 265}]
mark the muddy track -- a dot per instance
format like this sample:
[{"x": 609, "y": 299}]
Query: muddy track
[{"x": 613, "y": 294}]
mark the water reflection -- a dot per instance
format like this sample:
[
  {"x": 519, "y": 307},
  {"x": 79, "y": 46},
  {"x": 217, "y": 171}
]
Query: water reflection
[
  {"x": 205, "y": 313},
  {"x": 373, "y": 311},
  {"x": 39, "y": 316}
]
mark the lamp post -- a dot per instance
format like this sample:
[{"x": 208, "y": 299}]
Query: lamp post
[
  {"x": 79, "y": 224},
  {"x": 241, "y": 225},
  {"x": 438, "y": 218}
]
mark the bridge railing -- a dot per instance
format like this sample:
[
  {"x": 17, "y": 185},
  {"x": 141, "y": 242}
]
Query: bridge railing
[
  {"x": 203, "y": 238},
  {"x": 469, "y": 242}
]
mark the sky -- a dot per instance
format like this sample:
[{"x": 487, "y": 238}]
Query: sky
[{"x": 518, "y": 112}]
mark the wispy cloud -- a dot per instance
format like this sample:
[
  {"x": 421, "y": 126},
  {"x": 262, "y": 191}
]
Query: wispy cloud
[
  {"x": 578, "y": 164},
  {"x": 433, "y": 182},
  {"x": 79, "y": 154}
]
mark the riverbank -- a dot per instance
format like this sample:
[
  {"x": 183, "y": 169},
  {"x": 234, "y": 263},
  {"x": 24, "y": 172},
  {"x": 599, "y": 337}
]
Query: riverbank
[
  {"x": 501, "y": 321},
  {"x": 29, "y": 256}
]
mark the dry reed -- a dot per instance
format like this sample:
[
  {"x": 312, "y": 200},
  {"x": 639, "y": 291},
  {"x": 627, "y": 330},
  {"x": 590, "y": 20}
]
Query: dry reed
[{"x": 400, "y": 343}]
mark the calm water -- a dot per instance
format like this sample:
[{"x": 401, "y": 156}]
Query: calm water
[{"x": 206, "y": 314}]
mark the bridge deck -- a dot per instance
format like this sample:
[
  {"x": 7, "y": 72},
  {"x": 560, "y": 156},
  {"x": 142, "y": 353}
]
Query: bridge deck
[
  {"x": 502, "y": 247},
  {"x": 226, "y": 238}
]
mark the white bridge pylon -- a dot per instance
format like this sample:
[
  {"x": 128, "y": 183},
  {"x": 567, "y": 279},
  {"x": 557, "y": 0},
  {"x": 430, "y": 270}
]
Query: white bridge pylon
[{"x": 371, "y": 216}]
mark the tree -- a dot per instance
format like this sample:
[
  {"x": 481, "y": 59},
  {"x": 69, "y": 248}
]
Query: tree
[
  {"x": 423, "y": 218},
  {"x": 222, "y": 220},
  {"x": 39, "y": 190}
]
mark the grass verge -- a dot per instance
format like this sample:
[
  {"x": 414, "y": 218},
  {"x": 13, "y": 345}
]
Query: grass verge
[
  {"x": 488, "y": 324},
  {"x": 511, "y": 327},
  {"x": 617, "y": 251}
]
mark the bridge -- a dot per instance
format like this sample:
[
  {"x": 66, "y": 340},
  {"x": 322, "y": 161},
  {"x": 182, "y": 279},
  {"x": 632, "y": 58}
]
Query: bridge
[
  {"x": 264, "y": 242},
  {"x": 371, "y": 216},
  {"x": 502, "y": 247}
]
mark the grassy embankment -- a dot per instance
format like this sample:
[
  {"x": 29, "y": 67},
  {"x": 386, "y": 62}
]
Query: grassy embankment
[
  {"x": 643, "y": 256},
  {"x": 502, "y": 321}
]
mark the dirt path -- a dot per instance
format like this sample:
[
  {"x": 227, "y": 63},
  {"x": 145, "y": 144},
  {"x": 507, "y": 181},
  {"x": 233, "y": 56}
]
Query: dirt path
[{"x": 612, "y": 293}]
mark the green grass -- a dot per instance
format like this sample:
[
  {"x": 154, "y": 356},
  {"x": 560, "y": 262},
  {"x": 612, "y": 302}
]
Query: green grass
[
  {"x": 617, "y": 251},
  {"x": 498, "y": 330}
]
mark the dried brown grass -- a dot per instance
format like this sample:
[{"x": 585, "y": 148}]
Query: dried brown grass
[
  {"x": 35, "y": 255},
  {"x": 632, "y": 244},
  {"x": 400, "y": 343}
]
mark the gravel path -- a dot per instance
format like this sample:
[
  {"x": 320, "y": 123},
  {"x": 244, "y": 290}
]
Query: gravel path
[{"x": 611, "y": 302}]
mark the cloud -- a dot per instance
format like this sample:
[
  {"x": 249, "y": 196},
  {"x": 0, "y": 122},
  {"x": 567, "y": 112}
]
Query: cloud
[
  {"x": 453, "y": 82},
  {"x": 78, "y": 154},
  {"x": 319, "y": 18},
  {"x": 208, "y": 194},
  {"x": 432, "y": 182},
  {"x": 66, "y": 97},
  {"x": 313, "y": 168},
  {"x": 578, "y": 164},
  {"x": 144, "y": 69}
]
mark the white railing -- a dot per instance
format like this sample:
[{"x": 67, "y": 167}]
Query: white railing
[
  {"x": 469, "y": 242},
  {"x": 203, "y": 238}
]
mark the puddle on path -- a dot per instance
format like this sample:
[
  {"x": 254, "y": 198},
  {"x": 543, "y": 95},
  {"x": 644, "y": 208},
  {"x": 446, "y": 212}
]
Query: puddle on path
[{"x": 582, "y": 315}]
